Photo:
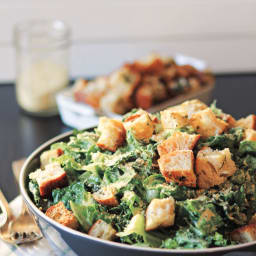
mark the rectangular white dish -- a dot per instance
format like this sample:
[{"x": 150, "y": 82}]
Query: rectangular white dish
[{"x": 80, "y": 115}]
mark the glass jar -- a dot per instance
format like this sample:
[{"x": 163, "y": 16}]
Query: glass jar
[{"x": 42, "y": 50}]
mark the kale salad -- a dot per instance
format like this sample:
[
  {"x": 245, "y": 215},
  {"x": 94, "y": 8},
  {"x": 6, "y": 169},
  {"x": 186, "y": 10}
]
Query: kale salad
[{"x": 183, "y": 178}]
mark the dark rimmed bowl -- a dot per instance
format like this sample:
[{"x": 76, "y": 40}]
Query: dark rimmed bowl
[{"x": 84, "y": 244}]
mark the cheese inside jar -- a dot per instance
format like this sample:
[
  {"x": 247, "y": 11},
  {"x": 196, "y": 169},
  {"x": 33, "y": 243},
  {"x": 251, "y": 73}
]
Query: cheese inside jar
[{"x": 42, "y": 65}]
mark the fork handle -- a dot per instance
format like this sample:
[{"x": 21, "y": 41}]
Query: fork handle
[{"x": 5, "y": 204}]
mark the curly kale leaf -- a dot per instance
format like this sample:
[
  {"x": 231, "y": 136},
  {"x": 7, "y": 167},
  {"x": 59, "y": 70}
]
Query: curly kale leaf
[
  {"x": 74, "y": 192},
  {"x": 247, "y": 147}
]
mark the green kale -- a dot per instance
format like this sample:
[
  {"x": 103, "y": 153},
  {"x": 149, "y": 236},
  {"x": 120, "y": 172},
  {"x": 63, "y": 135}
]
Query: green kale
[
  {"x": 74, "y": 192},
  {"x": 88, "y": 211},
  {"x": 185, "y": 238},
  {"x": 40, "y": 202},
  {"x": 135, "y": 233},
  {"x": 201, "y": 214},
  {"x": 247, "y": 147},
  {"x": 229, "y": 140}
]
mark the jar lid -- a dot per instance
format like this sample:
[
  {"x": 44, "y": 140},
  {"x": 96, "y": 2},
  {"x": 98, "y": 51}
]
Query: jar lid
[{"x": 41, "y": 34}]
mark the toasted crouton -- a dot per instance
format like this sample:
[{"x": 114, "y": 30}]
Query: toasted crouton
[
  {"x": 213, "y": 167},
  {"x": 173, "y": 120},
  {"x": 250, "y": 134},
  {"x": 152, "y": 64},
  {"x": 178, "y": 141},
  {"x": 244, "y": 234},
  {"x": 247, "y": 122},
  {"x": 144, "y": 96},
  {"x": 207, "y": 124},
  {"x": 178, "y": 116},
  {"x": 102, "y": 230},
  {"x": 177, "y": 166},
  {"x": 52, "y": 177},
  {"x": 48, "y": 155},
  {"x": 191, "y": 107},
  {"x": 106, "y": 196},
  {"x": 59, "y": 213},
  {"x": 140, "y": 124},
  {"x": 160, "y": 213},
  {"x": 112, "y": 134},
  {"x": 92, "y": 92},
  {"x": 122, "y": 84},
  {"x": 228, "y": 119}
]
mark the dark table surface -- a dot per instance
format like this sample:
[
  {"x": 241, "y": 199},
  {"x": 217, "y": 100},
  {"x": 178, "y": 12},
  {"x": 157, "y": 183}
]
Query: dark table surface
[{"x": 20, "y": 134}]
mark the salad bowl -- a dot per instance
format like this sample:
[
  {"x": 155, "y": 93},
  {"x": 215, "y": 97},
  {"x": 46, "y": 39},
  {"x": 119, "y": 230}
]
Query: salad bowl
[{"x": 83, "y": 244}]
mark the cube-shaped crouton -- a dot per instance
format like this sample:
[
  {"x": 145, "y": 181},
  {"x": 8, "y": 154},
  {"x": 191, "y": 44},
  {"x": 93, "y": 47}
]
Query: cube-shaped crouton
[
  {"x": 102, "y": 230},
  {"x": 244, "y": 234},
  {"x": 192, "y": 106},
  {"x": 140, "y": 125},
  {"x": 207, "y": 124},
  {"x": 91, "y": 92},
  {"x": 178, "y": 166},
  {"x": 171, "y": 119},
  {"x": 112, "y": 134},
  {"x": 230, "y": 120},
  {"x": 59, "y": 213},
  {"x": 178, "y": 141},
  {"x": 152, "y": 64},
  {"x": 144, "y": 96},
  {"x": 213, "y": 167},
  {"x": 160, "y": 213},
  {"x": 48, "y": 155},
  {"x": 250, "y": 134},
  {"x": 51, "y": 178},
  {"x": 106, "y": 196},
  {"x": 118, "y": 97},
  {"x": 247, "y": 122}
]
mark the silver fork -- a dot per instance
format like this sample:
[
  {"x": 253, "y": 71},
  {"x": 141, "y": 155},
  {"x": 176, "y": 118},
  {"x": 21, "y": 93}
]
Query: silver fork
[{"x": 22, "y": 229}]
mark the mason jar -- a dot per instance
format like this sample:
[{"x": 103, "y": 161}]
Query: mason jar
[{"x": 42, "y": 51}]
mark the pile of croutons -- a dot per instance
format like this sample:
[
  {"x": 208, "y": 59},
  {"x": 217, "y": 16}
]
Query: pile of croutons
[{"x": 140, "y": 84}]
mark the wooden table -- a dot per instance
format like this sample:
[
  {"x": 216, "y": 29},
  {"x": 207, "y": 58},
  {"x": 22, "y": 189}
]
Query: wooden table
[{"x": 20, "y": 134}]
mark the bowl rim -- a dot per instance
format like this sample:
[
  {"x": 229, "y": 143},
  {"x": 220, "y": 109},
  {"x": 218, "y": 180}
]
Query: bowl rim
[{"x": 55, "y": 224}]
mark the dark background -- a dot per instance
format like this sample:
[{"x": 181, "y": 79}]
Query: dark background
[{"x": 20, "y": 134}]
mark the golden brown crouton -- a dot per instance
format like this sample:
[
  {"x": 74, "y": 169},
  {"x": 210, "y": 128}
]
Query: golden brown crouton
[
  {"x": 244, "y": 234},
  {"x": 106, "y": 196},
  {"x": 112, "y": 134},
  {"x": 59, "y": 213},
  {"x": 192, "y": 106},
  {"x": 178, "y": 116},
  {"x": 144, "y": 96},
  {"x": 186, "y": 71},
  {"x": 213, "y": 167},
  {"x": 177, "y": 166},
  {"x": 178, "y": 141},
  {"x": 92, "y": 92},
  {"x": 51, "y": 178},
  {"x": 230, "y": 120},
  {"x": 250, "y": 134},
  {"x": 48, "y": 155},
  {"x": 207, "y": 124},
  {"x": 247, "y": 122},
  {"x": 102, "y": 230},
  {"x": 160, "y": 213},
  {"x": 152, "y": 64},
  {"x": 173, "y": 120},
  {"x": 140, "y": 125},
  {"x": 122, "y": 84}
]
